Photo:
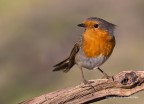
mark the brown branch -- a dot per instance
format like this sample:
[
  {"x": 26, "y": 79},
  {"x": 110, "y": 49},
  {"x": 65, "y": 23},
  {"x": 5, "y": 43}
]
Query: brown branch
[{"x": 125, "y": 84}]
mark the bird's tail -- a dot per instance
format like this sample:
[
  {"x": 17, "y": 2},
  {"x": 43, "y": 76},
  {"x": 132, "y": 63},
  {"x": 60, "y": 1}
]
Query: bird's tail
[
  {"x": 68, "y": 63},
  {"x": 64, "y": 65}
]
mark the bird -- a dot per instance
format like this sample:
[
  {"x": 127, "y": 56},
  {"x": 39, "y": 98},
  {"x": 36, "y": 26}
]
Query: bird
[{"x": 92, "y": 49}]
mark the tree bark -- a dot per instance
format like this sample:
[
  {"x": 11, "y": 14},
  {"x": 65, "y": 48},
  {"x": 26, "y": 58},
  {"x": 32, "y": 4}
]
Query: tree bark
[{"x": 123, "y": 84}]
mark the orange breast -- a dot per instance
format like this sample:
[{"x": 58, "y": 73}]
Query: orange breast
[{"x": 97, "y": 43}]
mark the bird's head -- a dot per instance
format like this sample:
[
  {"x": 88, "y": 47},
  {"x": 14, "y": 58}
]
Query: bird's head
[{"x": 96, "y": 24}]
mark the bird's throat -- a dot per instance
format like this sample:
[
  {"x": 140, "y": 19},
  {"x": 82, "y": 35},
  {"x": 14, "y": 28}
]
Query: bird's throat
[{"x": 98, "y": 42}]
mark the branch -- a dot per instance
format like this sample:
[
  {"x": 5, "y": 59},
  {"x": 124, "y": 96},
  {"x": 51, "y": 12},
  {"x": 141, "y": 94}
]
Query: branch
[{"x": 123, "y": 84}]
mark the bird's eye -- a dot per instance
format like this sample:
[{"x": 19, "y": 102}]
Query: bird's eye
[{"x": 96, "y": 25}]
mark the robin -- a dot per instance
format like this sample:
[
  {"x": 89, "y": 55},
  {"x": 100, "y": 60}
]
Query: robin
[{"x": 92, "y": 49}]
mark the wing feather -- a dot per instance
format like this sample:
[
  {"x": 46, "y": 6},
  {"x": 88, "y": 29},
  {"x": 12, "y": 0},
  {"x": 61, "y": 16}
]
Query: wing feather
[{"x": 69, "y": 62}]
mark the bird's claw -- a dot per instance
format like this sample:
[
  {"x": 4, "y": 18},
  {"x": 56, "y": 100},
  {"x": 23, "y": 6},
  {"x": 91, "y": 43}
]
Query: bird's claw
[
  {"x": 87, "y": 83},
  {"x": 107, "y": 77}
]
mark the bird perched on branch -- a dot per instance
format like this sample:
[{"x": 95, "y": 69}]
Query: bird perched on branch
[{"x": 92, "y": 49}]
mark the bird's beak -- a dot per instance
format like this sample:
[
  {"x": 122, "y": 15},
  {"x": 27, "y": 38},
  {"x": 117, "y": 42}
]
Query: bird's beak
[{"x": 81, "y": 25}]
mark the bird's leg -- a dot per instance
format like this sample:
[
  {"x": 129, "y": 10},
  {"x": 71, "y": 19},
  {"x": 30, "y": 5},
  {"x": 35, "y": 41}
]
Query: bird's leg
[
  {"x": 83, "y": 78},
  {"x": 105, "y": 75},
  {"x": 85, "y": 82}
]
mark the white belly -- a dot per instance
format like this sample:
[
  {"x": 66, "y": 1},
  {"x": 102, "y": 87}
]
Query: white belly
[{"x": 89, "y": 63}]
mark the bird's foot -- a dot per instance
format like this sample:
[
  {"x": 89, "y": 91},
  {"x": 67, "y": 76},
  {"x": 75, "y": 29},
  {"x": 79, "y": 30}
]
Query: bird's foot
[
  {"x": 87, "y": 83},
  {"x": 107, "y": 77}
]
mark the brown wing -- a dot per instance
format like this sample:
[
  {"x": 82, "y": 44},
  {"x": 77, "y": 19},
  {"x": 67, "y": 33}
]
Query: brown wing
[{"x": 68, "y": 63}]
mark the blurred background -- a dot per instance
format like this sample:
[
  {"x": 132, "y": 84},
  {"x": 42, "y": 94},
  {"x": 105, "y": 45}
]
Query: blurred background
[{"x": 36, "y": 34}]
